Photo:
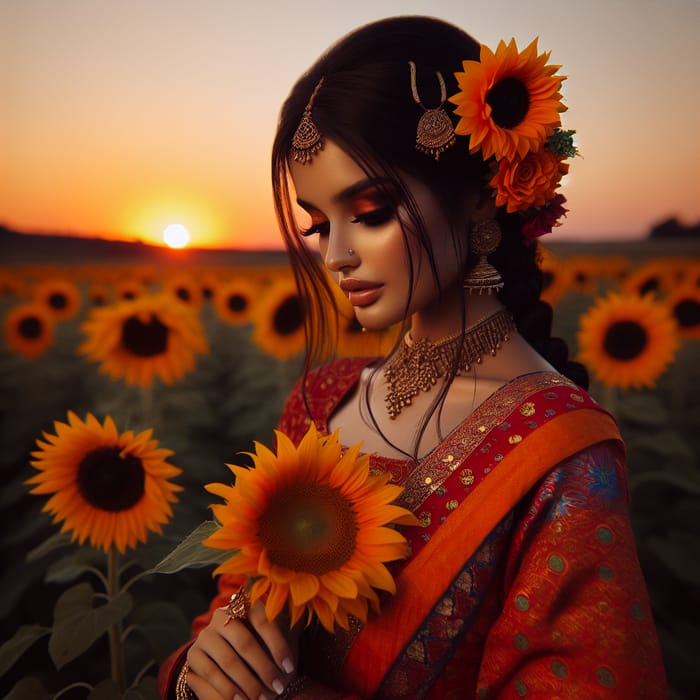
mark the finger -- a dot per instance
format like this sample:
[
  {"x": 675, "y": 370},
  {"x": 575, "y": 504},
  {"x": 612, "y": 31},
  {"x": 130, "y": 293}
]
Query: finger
[
  {"x": 203, "y": 691},
  {"x": 255, "y": 655},
  {"x": 218, "y": 666},
  {"x": 273, "y": 637}
]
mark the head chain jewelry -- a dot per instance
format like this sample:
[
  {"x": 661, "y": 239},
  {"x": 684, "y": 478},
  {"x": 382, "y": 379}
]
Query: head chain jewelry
[
  {"x": 435, "y": 132},
  {"x": 307, "y": 140}
]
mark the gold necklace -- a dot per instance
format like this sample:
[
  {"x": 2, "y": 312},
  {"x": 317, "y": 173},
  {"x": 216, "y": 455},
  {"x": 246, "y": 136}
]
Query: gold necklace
[{"x": 418, "y": 365}]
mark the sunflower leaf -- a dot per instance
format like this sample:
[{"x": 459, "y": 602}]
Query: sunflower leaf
[
  {"x": 68, "y": 568},
  {"x": 28, "y": 688},
  {"x": 77, "y": 624},
  {"x": 191, "y": 553},
  {"x": 22, "y": 639},
  {"x": 60, "y": 539}
]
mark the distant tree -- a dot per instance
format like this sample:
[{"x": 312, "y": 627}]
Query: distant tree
[{"x": 672, "y": 228}]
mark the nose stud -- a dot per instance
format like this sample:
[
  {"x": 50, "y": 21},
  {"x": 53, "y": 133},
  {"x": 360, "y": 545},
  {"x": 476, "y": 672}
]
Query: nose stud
[{"x": 351, "y": 251}]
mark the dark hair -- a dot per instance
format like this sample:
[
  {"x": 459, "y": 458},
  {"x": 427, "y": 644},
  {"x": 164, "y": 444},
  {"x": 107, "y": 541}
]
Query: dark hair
[{"x": 365, "y": 105}]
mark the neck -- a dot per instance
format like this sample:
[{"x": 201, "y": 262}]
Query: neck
[{"x": 446, "y": 320}]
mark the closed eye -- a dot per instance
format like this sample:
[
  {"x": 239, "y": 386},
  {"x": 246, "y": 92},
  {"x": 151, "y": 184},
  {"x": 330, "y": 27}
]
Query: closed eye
[
  {"x": 322, "y": 228},
  {"x": 375, "y": 217}
]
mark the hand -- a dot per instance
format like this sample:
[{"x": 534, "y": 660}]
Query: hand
[{"x": 249, "y": 658}]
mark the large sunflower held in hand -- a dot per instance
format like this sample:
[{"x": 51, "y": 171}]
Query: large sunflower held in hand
[
  {"x": 628, "y": 341},
  {"x": 108, "y": 488},
  {"x": 509, "y": 102},
  {"x": 144, "y": 338},
  {"x": 308, "y": 526}
]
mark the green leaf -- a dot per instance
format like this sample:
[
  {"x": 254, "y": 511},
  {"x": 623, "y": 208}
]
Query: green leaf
[
  {"x": 28, "y": 688},
  {"x": 68, "y": 568},
  {"x": 105, "y": 690},
  {"x": 163, "y": 625},
  {"x": 22, "y": 639},
  {"x": 191, "y": 553},
  {"x": 60, "y": 539},
  {"x": 77, "y": 624}
]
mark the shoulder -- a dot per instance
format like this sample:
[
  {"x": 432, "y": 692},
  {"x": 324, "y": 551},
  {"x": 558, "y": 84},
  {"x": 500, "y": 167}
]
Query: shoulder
[{"x": 314, "y": 396}]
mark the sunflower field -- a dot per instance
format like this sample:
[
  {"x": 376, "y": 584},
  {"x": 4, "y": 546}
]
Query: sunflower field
[{"x": 172, "y": 369}]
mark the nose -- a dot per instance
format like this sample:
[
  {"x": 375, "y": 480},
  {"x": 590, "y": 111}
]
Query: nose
[{"x": 339, "y": 254}]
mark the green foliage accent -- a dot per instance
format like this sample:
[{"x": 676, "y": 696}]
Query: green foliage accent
[
  {"x": 77, "y": 624},
  {"x": 29, "y": 688},
  {"x": 191, "y": 553},
  {"x": 22, "y": 639}
]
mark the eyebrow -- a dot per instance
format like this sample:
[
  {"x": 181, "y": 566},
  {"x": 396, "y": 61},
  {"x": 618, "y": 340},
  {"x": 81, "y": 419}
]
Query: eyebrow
[{"x": 351, "y": 191}]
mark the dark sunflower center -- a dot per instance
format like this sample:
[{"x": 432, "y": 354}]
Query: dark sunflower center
[
  {"x": 30, "y": 327},
  {"x": 625, "y": 340},
  {"x": 145, "y": 339},
  {"x": 652, "y": 284},
  {"x": 109, "y": 481},
  {"x": 183, "y": 294},
  {"x": 509, "y": 101},
  {"x": 687, "y": 313},
  {"x": 237, "y": 303},
  {"x": 309, "y": 527},
  {"x": 288, "y": 316},
  {"x": 58, "y": 301}
]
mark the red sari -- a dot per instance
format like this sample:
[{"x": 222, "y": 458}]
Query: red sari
[{"x": 524, "y": 579}]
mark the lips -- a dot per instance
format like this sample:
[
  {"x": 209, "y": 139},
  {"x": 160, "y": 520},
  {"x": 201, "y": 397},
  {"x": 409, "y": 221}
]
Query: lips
[{"x": 361, "y": 293}]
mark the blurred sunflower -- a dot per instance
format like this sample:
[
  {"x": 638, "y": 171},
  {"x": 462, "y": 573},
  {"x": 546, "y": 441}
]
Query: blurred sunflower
[
  {"x": 585, "y": 272},
  {"x": 234, "y": 301},
  {"x": 308, "y": 525},
  {"x": 184, "y": 289},
  {"x": 138, "y": 340},
  {"x": 509, "y": 101},
  {"x": 685, "y": 308},
  {"x": 11, "y": 283},
  {"x": 60, "y": 296},
  {"x": 129, "y": 289},
  {"x": 279, "y": 328},
  {"x": 556, "y": 276},
  {"x": 108, "y": 488},
  {"x": 628, "y": 341},
  {"x": 29, "y": 329},
  {"x": 98, "y": 294},
  {"x": 653, "y": 276}
]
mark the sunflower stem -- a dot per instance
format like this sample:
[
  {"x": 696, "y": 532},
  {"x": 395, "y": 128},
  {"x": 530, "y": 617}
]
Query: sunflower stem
[{"x": 115, "y": 637}]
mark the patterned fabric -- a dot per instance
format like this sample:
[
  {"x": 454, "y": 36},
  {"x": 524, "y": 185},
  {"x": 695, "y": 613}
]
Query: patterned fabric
[{"x": 551, "y": 603}]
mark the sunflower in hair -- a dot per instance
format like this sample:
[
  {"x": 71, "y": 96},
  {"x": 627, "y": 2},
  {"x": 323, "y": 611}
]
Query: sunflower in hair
[
  {"x": 279, "y": 328},
  {"x": 509, "y": 101},
  {"x": 29, "y": 329},
  {"x": 628, "y": 341},
  {"x": 60, "y": 296},
  {"x": 139, "y": 340},
  {"x": 105, "y": 487}
]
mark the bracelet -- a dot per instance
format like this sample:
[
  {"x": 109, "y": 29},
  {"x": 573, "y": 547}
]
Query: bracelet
[
  {"x": 296, "y": 686},
  {"x": 182, "y": 690}
]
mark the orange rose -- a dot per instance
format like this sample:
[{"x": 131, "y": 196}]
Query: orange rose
[{"x": 528, "y": 182}]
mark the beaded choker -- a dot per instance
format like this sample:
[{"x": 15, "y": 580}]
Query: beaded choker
[{"x": 418, "y": 365}]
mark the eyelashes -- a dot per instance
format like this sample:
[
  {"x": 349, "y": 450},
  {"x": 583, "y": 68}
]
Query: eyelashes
[{"x": 372, "y": 219}]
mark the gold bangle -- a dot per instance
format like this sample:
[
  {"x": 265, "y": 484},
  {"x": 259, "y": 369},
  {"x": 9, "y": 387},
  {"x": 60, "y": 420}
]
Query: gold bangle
[{"x": 182, "y": 690}]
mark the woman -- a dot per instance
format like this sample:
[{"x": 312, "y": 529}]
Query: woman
[{"x": 523, "y": 580}]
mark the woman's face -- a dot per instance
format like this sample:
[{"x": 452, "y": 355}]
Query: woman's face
[{"x": 363, "y": 244}]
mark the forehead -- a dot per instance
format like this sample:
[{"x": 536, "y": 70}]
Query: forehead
[{"x": 330, "y": 172}]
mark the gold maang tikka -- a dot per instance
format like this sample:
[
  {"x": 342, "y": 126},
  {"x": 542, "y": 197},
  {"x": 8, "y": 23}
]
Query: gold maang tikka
[
  {"x": 307, "y": 140},
  {"x": 435, "y": 132}
]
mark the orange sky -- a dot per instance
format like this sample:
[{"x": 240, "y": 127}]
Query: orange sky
[{"x": 118, "y": 118}]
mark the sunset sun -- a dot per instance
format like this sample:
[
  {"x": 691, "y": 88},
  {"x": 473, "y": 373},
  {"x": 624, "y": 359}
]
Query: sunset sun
[{"x": 176, "y": 235}]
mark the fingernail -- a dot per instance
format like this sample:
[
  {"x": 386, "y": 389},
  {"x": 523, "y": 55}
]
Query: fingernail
[
  {"x": 277, "y": 686},
  {"x": 237, "y": 697},
  {"x": 287, "y": 665}
]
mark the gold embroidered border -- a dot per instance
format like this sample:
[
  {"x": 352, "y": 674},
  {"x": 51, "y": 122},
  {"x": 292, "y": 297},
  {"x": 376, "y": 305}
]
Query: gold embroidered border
[{"x": 450, "y": 454}]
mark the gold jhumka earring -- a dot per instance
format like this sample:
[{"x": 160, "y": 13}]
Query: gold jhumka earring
[
  {"x": 307, "y": 140},
  {"x": 435, "y": 133},
  {"x": 483, "y": 278}
]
